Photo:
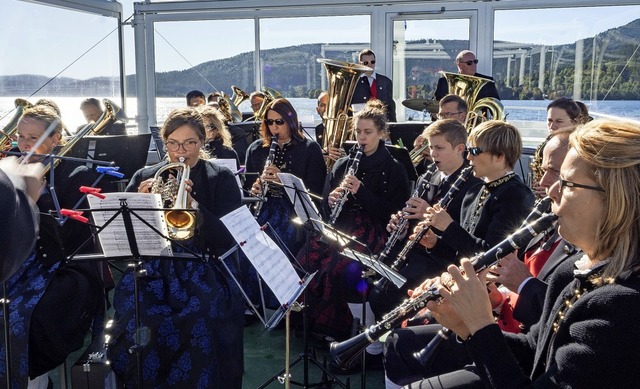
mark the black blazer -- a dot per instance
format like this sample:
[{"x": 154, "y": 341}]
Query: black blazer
[
  {"x": 489, "y": 90},
  {"x": 362, "y": 94}
]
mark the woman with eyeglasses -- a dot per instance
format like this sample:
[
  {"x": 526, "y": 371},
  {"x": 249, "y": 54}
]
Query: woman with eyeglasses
[
  {"x": 294, "y": 154},
  {"x": 192, "y": 311},
  {"x": 218, "y": 140},
  {"x": 378, "y": 189},
  {"x": 587, "y": 336}
]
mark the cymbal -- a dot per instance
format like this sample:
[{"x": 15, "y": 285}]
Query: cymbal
[{"x": 421, "y": 104}]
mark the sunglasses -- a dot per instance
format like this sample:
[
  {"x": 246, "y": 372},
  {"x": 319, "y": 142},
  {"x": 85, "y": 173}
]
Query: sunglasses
[
  {"x": 270, "y": 122},
  {"x": 365, "y": 63},
  {"x": 469, "y": 63},
  {"x": 475, "y": 151}
]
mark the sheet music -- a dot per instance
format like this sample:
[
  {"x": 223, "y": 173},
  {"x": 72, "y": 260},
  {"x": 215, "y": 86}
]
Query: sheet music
[
  {"x": 264, "y": 254},
  {"x": 229, "y": 164},
  {"x": 305, "y": 209},
  {"x": 113, "y": 238}
]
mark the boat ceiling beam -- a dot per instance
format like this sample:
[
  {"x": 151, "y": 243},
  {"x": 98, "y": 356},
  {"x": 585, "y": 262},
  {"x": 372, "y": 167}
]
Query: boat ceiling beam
[{"x": 111, "y": 9}]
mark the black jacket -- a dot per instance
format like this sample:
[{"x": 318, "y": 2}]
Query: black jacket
[
  {"x": 362, "y": 94},
  {"x": 489, "y": 90}
]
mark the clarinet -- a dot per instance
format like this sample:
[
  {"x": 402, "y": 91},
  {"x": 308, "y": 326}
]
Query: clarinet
[
  {"x": 403, "y": 221},
  {"x": 444, "y": 203},
  {"x": 344, "y": 353},
  {"x": 426, "y": 355},
  {"x": 265, "y": 183},
  {"x": 353, "y": 169}
]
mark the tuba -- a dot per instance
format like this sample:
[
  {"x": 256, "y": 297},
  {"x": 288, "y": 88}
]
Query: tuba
[
  {"x": 343, "y": 78},
  {"x": 111, "y": 114},
  {"x": 239, "y": 96},
  {"x": 8, "y": 132},
  {"x": 229, "y": 109},
  {"x": 468, "y": 87},
  {"x": 172, "y": 190}
]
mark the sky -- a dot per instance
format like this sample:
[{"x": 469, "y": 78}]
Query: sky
[{"x": 48, "y": 41}]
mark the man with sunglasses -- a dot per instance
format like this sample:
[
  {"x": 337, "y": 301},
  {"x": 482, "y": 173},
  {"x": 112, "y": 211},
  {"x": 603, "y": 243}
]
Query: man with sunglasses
[
  {"x": 373, "y": 85},
  {"x": 467, "y": 65}
]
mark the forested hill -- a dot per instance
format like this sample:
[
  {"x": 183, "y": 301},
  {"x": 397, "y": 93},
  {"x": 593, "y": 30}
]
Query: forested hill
[{"x": 293, "y": 70}]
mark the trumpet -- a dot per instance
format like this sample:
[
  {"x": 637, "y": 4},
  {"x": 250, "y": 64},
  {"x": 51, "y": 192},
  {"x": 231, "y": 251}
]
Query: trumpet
[
  {"x": 416, "y": 155},
  {"x": 344, "y": 353},
  {"x": 265, "y": 183},
  {"x": 172, "y": 190},
  {"x": 353, "y": 169}
]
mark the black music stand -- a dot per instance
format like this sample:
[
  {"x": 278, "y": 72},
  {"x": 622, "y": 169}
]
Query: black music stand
[
  {"x": 302, "y": 197},
  {"x": 137, "y": 261}
]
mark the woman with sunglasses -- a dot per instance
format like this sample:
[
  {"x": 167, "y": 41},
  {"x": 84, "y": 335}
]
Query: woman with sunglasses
[
  {"x": 192, "y": 311},
  {"x": 294, "y": 154},
  {"x": 587, "y": 336},
  {"x": 378, "y": 189}
]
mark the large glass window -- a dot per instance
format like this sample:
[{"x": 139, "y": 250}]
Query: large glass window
[
  {"x": 422, "y": 48},
  {"x": 589, "y": 54}
]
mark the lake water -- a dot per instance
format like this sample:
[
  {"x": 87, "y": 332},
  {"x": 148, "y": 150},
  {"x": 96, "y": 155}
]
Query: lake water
[{"x": 517, "y": 110}]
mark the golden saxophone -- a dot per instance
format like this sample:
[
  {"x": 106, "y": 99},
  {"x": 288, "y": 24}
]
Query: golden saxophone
[
  {"x": 264, "y": 183},
  {"x": 344, "y": 353},
  {"x": 353, "y": 169}
]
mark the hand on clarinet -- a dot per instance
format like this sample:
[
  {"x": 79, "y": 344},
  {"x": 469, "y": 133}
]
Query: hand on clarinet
[
  {"x": 270, "y": 173},
  {"x": 351, "y": 183},
  {"x": 510, "y": 272},
  {"x": 415, "y": 208},
  {"x": 465, "y": 306},
  {"x": 437, "y": 217},
  {"x": 335, "y": 195},
  {"x": 393, "y": 224}
]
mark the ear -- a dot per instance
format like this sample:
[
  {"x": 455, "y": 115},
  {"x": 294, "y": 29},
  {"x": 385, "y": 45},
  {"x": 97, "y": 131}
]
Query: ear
[
  {"x": 460, "y": 148},
  {"x": 55, "y": 138}
]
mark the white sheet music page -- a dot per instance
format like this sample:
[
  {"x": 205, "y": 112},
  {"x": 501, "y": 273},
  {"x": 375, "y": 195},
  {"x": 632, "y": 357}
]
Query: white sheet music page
[
  {"x": 264, "y": 254},
  {"x": 299, "y": 197},
  {"x": 113, "y": 238},
  {"x": 229, "y": 164}
]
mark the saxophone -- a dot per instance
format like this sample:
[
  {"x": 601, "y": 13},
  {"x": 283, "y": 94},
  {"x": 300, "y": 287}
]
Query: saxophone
[
  {"x": 265, "y": 183},
  {"x": 353, "y": 169}
]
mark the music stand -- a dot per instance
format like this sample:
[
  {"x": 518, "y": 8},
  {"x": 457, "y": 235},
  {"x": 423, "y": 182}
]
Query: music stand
[{"x": 307, "y": 214}]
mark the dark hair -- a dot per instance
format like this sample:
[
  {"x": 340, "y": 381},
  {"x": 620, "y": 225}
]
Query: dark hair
[
  {"x": 366, "y": 52},
  {"x": 462, "y": 104},
  {"x": 453, "y": 131},
  {"x": 180, "y": 117},
  {"x": 288, "y": 113},
  {"x": 194, "y": 93},
  {"x": 91, "y": 101},
  {"x": 570, "y": 107},
  {"x": 584, "y": 113}
]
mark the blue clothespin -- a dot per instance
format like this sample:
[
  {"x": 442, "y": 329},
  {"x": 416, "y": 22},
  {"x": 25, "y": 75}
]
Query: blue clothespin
[{"x": 110, "y": 170}]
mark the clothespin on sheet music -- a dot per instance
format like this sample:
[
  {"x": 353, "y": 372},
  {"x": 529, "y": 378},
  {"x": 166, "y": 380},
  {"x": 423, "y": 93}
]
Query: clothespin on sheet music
[
  {"x": 110, "y": 170},
  {"x": 75, "y": 215},
  {"x": 92, "y": 191}
]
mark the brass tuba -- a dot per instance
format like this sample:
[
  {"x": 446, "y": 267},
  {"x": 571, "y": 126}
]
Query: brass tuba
[
  {"x": 468, "y": 88},
  {"x": 8, "y": 132},
  {"x": 343, "y": 78},
  {"x": 229, "y": 109},
  {"x": 111, "y": 114},
  {"x": 239, "y": 96},
  {"x": 172, "y": 189}
]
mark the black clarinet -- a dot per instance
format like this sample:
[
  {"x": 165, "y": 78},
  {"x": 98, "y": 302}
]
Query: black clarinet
[
  {"x": 344, "y": 353},
  {"x": 265, "y": 183},
  {"x": 426, "y": 356},
  {"x": 353, "y": 169},
  {"x": 444, "y": 203}
]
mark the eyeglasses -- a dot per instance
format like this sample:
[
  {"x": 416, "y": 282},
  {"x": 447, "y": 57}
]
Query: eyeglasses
[
  {"x": 365, "y": 63},
  {"x": 469, "y": 63},
  {"x": 565, "y": 183},
  {"x": 475, "y": 151},
  {"x": 270, "y": 122},
  {"x": 188, "y": 145},
  {"x": 446, "y": 115}
]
